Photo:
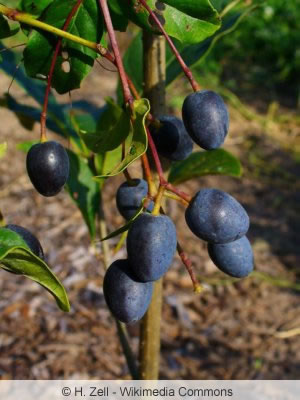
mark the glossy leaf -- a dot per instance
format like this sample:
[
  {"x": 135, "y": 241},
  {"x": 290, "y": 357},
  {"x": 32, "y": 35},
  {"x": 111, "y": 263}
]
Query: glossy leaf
[
  {"x": 87, "y": 23},
  {"x": 194, "y": 54},
  {"x": 84, "y": 191},
  {"x": 3, "y": 148},
  {"x": 112, "y": 129},
  {"x": 214, "y": 162},
  {"x": 136, "y": 142},
  {"x": 16, "y": 257},
  {"x": 5, "y": 29},
  {"x": 189, "y": 21}
]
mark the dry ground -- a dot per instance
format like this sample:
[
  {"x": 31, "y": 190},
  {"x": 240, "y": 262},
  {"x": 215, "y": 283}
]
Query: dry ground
[{"x": 230, "y": 331}]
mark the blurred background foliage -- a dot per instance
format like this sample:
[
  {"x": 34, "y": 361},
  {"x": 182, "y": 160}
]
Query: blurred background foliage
[{"x": 264, "y": 53}]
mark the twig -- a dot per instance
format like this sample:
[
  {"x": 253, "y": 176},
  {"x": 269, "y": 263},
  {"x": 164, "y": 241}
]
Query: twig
[
  {"x": 189, "y": 266},
  {"x": 118, "y": 59},
  {"x": 30, "y": 20},
  {"x": 2, "y": 220}
]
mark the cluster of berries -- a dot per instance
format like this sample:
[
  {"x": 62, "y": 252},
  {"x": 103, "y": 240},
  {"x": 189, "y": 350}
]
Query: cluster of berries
[{"x": 212, "y": 215}]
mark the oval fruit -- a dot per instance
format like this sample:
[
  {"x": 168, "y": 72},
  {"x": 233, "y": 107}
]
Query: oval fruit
[
  {"x": 206, "y": 118},
  {"x": 234, "y": 258},
  {"x": 171, "y": 138},
  {"x": 48, "y": 167},
  {"x": 151, "y": 244},
  {"x": 126, "y": 297},
  {"x": 129, "y": 198},
  {"x": 216, "y": 217}
]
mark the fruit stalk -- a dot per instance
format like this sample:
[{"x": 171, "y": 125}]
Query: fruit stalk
[
  {"x": 118, "y": 59},
  {"x": 185, "y": 68},
  {"x": 189, "y": 267},
  {"x": 51, "y": 71}
]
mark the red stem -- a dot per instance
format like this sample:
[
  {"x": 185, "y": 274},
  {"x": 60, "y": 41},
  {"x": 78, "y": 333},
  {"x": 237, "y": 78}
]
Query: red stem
[
  {"x": 188, "y": 265},
  {"x": 179, "y": 193},
  {"x": 152, "y": 146},
  {"x": 183, "y": 65},
  {"x": 118, "y": 59},
  {"x": 51, "y": 71},
  {"x": 156, "y": 159}
]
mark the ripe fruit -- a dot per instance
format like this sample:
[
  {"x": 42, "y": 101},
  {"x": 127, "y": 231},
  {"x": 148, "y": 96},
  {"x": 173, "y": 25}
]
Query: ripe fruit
[
  {"x": 171, "y": 139},
  {"x": 206, "y": 118},
  {"x": 235, "y": 258},
  {"x": 31, "y": 241},
  {"x": 216, "y": 217},
  {"x": 126, "y": 297},
  {"x": 48, "y": 167},
  {"x": 129, "y": 198},
  {"x": 151, "y": 244}
]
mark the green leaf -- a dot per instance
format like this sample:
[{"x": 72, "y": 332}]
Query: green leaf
[
  {"x": 16, "y": 257},
  {"x": 125, "y": 227},
  {"x": 87, "y": 23},
  {"x": 195, "y": 53},
  {"x": 34, "y": 7},
  {"x": 5, "y": 29},
  {"x": 112, "y": 129},
  {"x": 3, "y": 148},
  {"x": 189, "y": 21},
  {"x": 136, "y": 143},
  {"x": 214, "y": 162},
  {"x": 84, "y": 191}
]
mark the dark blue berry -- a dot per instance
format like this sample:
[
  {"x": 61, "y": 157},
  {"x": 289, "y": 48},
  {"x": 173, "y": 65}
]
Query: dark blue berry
[
  {"x": 216, "y": 217},
  {"x": 48, "y": 167},
  {"x": 235, "y": 258},
  {"x": 206, "y": 118},
  {"x": 126, "y": 297},
  {"x": 151, "y": 244},
  {"x": 129, "y": 197},
  {"x": 171, "y": 139},
  {"x": 31, "y": 241}
]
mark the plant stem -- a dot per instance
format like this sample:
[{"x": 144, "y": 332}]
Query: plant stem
[
  {"x": 154, "y": 76},
  {"x": 28, "y": 19},
  {"x": 148, "y": 175},
  {"x": 158, "y": 200},
  {"x": 175, "y": 197},
  {"x": 183, "y": 65},
  {"x": 51, "y": 71},
  {"x": 114, "y": 44},
  {"x": 120, "y": 243},
  {"x": 156, "y": 159},
  {"x": 2, "y": 220},
  {"x": 179, "y": 193},
  {"x": 150, "y": 336}
]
